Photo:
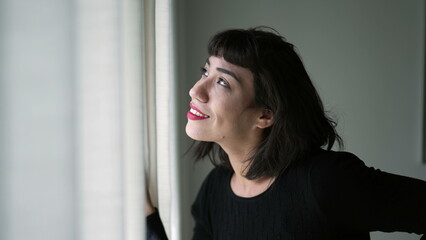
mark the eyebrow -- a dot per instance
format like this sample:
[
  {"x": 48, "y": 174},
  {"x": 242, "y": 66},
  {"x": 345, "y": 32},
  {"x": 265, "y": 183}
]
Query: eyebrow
[{"x": 226, "y": 71}]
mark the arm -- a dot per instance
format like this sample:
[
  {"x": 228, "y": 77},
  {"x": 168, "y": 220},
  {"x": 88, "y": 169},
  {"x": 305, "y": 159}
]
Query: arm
[
  {"x": 154, "y": 226},
  {"x": 358, "y": 198},
  {"x": 201, "y": 210}
]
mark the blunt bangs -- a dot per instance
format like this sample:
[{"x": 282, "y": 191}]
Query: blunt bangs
[{"x": 236, "y": 47}]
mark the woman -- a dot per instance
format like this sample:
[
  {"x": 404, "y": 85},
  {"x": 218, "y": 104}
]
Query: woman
[{"x": 256, "y": 114}]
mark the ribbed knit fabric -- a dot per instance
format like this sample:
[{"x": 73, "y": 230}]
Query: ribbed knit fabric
[{"x": 331, "y": 195}]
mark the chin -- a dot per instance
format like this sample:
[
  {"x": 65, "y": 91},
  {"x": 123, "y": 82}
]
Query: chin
[
  {"x": 195, "y": 134},
  {"x": 191, "y": 133}
]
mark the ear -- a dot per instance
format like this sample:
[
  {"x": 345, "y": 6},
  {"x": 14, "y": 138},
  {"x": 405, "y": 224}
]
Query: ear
[{"x": 266, "y": 119}]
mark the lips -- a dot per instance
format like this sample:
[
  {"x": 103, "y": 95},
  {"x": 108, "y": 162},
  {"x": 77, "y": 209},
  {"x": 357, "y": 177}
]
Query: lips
[{"x": 196, "y": 114}]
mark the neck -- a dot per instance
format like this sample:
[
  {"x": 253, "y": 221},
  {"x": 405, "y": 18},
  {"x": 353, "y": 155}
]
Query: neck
[
  {"x": 244, "y": 187},
  {"x": 238, "y": 151},
  {"x": 240, "y": 185},
  {"x": 238, "y": 158}
]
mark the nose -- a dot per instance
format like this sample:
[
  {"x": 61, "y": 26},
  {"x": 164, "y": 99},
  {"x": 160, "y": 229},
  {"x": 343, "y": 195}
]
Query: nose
[{"x": 199, "y": 91}]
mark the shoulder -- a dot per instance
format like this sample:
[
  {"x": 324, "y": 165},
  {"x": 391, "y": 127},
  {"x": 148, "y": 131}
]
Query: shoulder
[
  {"x": 333, "y": 164},
  {"x": 336, "y": 181},
  {"x": 333, "y": 175},
  {"x": 356, "y": 197}
]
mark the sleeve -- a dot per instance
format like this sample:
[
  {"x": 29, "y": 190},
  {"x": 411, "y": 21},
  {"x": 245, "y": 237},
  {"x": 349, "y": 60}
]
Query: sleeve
[
  {"x": 154, "y": 227},
  {"x": 200, "y": 211},
  {"x": 357, "y": 198}
]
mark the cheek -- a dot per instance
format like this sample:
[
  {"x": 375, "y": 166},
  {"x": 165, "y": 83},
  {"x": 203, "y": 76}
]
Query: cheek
[
  {"x": 247, "y": 119},
  {"x": 231, "y": 109},
  {"x": 234, "y": 117},
  {"x": 227, "y": 111}
]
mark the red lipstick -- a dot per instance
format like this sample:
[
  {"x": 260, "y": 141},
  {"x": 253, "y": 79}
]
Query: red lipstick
[{"x": 195, "y": 114}]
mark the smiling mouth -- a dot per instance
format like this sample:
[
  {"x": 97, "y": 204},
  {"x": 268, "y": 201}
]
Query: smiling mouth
[{"x": 197, "y": 113}]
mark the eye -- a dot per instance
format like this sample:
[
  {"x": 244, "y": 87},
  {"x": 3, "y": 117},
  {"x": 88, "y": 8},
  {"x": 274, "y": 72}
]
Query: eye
[
  {"x": 223, "y": 82},
  {"x": 204, "y": 72}
]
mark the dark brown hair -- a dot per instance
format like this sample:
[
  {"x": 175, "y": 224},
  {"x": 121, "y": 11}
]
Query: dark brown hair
[{"x": 283, "y": 86}]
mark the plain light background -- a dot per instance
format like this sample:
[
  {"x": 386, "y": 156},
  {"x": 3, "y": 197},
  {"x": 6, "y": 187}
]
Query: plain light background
[{"x": 365, "y": 58}]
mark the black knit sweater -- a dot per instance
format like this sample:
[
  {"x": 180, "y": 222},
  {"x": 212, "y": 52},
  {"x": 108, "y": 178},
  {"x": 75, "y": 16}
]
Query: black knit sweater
[{"x": 331, "y": 195}]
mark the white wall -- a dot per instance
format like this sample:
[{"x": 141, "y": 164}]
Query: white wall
[{"x": 365, "y": 57}]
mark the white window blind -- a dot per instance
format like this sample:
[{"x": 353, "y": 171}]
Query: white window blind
[
  {"x": 81, "y": 112},
  {"x": 161, "y": 101},
  {"x": 109, "y": 119}
]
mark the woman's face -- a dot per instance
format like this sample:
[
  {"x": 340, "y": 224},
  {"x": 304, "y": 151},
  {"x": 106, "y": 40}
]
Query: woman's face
[{"x": 222, "y": 104}]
